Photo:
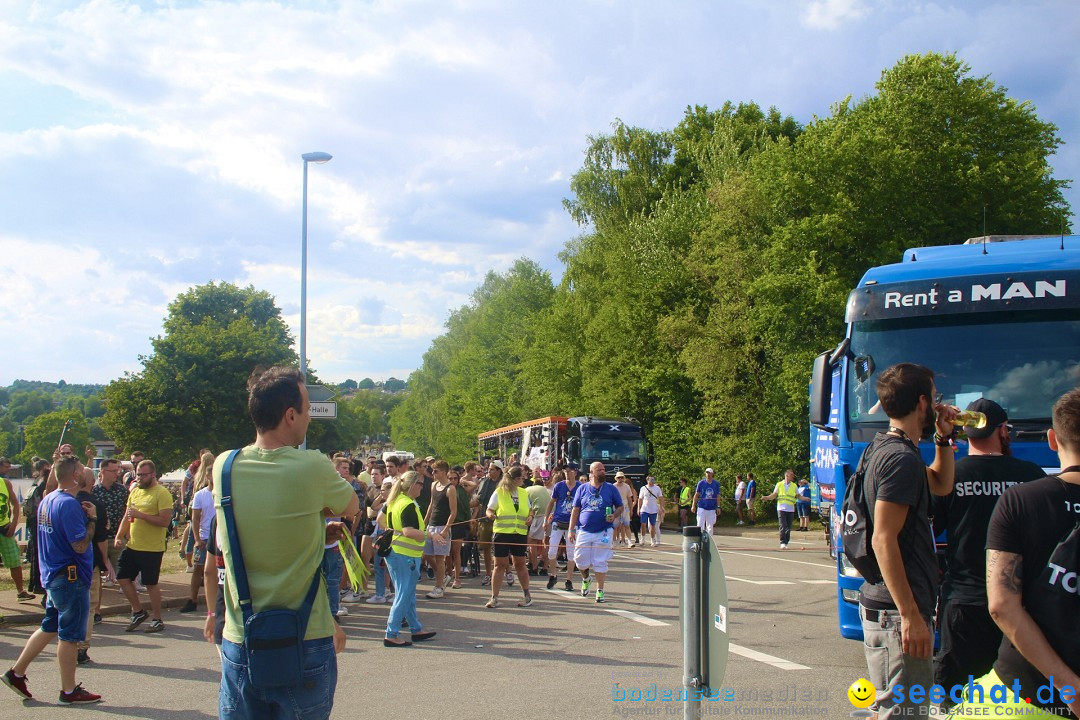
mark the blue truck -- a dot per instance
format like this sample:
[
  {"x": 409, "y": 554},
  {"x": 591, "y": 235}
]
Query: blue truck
[{"x": 995, "y": 317}]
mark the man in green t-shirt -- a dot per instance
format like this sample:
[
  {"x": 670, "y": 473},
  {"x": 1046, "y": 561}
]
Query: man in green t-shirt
[{"x": 280, "y": 496}]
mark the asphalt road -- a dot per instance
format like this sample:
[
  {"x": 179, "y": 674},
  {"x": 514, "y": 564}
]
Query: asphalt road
[{"x": 565, "y": 657}]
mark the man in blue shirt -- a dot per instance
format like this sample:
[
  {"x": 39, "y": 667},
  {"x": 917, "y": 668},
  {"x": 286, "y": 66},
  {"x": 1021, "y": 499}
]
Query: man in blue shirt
[
  {"x": 559, "y": 510},
  {"x": 705, "y": 499},
  {"x": 65, "y": 530},
  {"x": 596, "y": 505}
]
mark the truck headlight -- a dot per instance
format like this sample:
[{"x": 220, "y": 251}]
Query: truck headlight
[{"x": 846, "y": 568}]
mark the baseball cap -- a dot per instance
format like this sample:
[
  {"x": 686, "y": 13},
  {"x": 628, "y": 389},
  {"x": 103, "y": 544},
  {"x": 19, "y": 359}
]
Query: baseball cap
[
  {"x": 497, "y": 463},
  {"x": 709, "y": 470},
  {"x": 572, "y": 466},
  {"x": 995, "y": 416},
  {"x": 388, "y": 482}
]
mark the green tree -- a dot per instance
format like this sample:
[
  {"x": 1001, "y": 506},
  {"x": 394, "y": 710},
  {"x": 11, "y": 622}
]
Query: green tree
[
  {"x": 44, "y": 431},
  {"x": 366, "y": 384},
  {"x": 192, "y": 389}
]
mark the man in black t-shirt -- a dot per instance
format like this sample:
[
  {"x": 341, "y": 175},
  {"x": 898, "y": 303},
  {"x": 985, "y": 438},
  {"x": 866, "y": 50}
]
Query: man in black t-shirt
[
  {"x": 897, "y": 613},
  {"x": 1032, "y": 599},
  {"x": 969, "y": 637},
  {"x": 99, "y": 542}
]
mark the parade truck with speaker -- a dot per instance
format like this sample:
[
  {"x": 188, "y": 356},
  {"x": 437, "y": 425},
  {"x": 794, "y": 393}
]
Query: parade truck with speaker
[
  {"x": 995, "y": 317},
  {"x": 619, "y": 443}
]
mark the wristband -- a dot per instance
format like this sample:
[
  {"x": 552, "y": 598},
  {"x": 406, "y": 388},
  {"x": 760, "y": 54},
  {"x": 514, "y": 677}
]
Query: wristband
[
  {"x": 943, "y": 440},
  {"x": 210, "y": 613}
]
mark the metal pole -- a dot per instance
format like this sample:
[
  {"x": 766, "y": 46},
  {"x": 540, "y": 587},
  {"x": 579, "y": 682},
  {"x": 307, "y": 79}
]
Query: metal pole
[
  {"x": 303, "y": 292},
  {"x": 691, "y": 627}
]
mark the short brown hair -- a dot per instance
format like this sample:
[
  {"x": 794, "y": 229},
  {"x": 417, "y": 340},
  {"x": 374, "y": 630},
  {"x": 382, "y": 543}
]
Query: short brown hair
[
  {"x": 146, "y": 463},
  {"x": 441, "y": 465},
  {"x": 272, "y": 392},
  {"x": 470, "y": 466},
  {"x": 65, "y": 467},
  {"x": 1067, "y": 419},
  {"x": 899, "y": 388},
  {"x": 107, "y": 462}
]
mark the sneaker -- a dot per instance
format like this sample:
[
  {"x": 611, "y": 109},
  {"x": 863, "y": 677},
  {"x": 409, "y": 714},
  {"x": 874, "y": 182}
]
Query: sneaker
[
  {"x": 631, "y": 544},
  {"x": 78, "y": 696},
  {"x": 456, "y": 585},
  {"x": 585, "y": 587},
  {"x": 342, "y": 611},
  {"x": 510, "y": 579},
  {"x": 17, "y": 684},
  {"x": 542, "y": 572},
  {"x": 190, "y": 569},
  {"x": 435, "y": 594},
  {"x": 486, "y": 580},
  {"x": 352, "y": 597},
  {"x": 526, "y": 602},
  {"x": 376, "y": 600},
  {"x": 653, "y": 543},
  {"x": 552, "y": 579},
  {"x": 430, "y": 573},
  {"x": 783, "y": 546},
  {"x": 189, "y": 607},
  {"x": 447, "y": 579},
  {"x": 97, "y": 618},
  {"x": 139, "y": 587},
  {"x": 26, "y": 596},
  {"x": 82, "y": 657},
  {"x": 568, "y": 586},
  {"x": 740, "y": 523},
  {"x": 492, "y": 603},
  {"x": 600, "y": 596},
  {"x": 136, "y": 620},
  {"x": 156, "y": 626}
]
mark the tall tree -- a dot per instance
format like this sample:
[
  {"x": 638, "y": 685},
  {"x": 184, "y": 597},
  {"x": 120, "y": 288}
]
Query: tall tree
[{"x": 192, "y": 390}]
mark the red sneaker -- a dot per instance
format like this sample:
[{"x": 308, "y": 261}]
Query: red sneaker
[
  {"x": 78, "y": 696},
  {"x": 17, "y": 684}
]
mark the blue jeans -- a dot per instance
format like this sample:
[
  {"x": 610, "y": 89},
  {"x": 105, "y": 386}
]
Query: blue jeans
[
  {"x": 405, "y": 572},
  {"x": 67, "y": 607},
  {"x": 333, "y": 565},
  {"x": 312, "y": 699}
]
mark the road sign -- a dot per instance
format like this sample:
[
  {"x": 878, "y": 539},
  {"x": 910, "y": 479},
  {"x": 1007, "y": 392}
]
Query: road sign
[
  {"x": 323, "y": 410},
  {"x": 319, "y": 393}
]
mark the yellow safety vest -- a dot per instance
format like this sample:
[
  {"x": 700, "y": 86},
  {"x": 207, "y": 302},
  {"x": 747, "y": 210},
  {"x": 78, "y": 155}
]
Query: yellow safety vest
[
  {"x": 401, "y": 544},
  {"x": 686, "y": 497},
  {"x": 789, "y": 496},
  {"x": 508, "y": 519}
]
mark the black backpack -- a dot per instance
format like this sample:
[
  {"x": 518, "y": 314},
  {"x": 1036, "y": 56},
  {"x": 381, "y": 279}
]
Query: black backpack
[{"x": 857, "y": 525}]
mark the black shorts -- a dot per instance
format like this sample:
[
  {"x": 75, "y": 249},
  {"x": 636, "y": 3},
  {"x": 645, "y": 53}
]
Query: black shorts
[
  {"x": 459, "y": 532},
  {"x": 510, "y": 544},
  {"x": 133, "y": 562}
]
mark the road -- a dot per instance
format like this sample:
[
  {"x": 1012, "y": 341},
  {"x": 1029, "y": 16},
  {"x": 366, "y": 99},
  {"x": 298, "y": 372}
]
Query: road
[{"x": 565, "y": 657}]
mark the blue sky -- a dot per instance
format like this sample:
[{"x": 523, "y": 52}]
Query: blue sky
[{"x": 146, "y": 147}]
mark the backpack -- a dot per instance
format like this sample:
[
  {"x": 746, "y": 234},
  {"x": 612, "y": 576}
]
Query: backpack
[{"x": 857, "y": 525}]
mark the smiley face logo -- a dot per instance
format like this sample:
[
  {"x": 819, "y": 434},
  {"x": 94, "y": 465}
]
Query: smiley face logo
[{"x": 861, "y": 693}]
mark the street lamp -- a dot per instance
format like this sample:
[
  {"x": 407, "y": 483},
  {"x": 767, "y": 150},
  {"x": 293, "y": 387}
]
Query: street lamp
[{"x": 318, "y": 158}]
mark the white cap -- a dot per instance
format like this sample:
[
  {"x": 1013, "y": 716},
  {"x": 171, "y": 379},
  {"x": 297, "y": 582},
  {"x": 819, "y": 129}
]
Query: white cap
[
  {"x": 709, "y": 470},
  {"x": 497, "y": 463},
  {"x": 388, "y": 482}
]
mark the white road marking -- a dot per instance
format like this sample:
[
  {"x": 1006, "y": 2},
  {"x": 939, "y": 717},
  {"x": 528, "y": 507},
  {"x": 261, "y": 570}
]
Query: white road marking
[
  {"x": 621, "y": 613},
  {"x": 651, "y": 562},
  {"x": 767, "y": 659},
  {"x": 763, "y": 557},
  {"x": 760, "y": 582},
  {"x": 818, "y": 582}
]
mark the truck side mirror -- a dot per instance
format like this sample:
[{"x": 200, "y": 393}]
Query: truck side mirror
[
  {"x": 573, "y": 449},
  {"x": 820, "y": 389}
]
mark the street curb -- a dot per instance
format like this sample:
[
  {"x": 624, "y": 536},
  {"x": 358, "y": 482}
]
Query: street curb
[{"x": 35, "y": 617}]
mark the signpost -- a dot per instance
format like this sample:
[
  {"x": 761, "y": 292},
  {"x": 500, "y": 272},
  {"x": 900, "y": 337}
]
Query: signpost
[
  {"x": 703, "y": 612},
  {"x": 321, "y": 408}
]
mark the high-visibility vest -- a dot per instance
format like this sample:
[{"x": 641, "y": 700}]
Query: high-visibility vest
[
  {"x": 401, "y": 544},
  {"x": 789, "y": 496},
  {"x": 5, "y": 507},
  {"x": 686, "y": 497},
  {"x": 509, "y": 519}
]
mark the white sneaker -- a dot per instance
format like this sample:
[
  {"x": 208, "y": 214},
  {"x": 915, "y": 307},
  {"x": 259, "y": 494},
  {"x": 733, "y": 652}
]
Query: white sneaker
[
  {"x": 436, "y": 593},
  {"x": 352, "y": 597},
  {"x": 190, "y": 570},
  {"x": 342, "y": 611},
  {"x": 630, "y": 544},
  {"x": 654, "y": 543},
  {"x": 376, "y": 600},
  {"x": 740, "y": 523},
  {"x": 783, "y": 546},
  {"x": 510, "y": 579}
]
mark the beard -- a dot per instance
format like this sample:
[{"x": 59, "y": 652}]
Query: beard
[
  {"x": 929, "y": 422},
  {"x": 1006, "y": 446},
  {"x": 144, "y": 483}
]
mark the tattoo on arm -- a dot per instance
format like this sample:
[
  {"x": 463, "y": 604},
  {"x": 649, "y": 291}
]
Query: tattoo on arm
[{"x": 1010, "y": 577}]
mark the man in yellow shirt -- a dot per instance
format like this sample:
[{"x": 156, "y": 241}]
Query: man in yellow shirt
[{"x": 144, "y": 526}]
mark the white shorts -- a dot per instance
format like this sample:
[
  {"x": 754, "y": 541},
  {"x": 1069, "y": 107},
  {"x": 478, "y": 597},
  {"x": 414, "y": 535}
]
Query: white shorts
[
  {"x": 706, "y": 519},
  {"x": 554, "y": 538},
  {"x": 593, "y": 550}
]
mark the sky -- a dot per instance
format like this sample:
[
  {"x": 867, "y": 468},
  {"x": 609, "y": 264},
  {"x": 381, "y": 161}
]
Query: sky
[{"x": 148, "y": 147}]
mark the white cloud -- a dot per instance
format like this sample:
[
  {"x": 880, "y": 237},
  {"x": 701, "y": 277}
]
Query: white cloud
[{"x": 832, "y": 14}]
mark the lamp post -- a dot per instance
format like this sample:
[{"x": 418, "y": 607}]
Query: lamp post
[{"x": 318, "y": 158}]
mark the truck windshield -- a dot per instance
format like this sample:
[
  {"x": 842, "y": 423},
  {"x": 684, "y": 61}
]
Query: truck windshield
[
  {"x": 1024, "y": 361},
  {"x": 620, "y": 448}
]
